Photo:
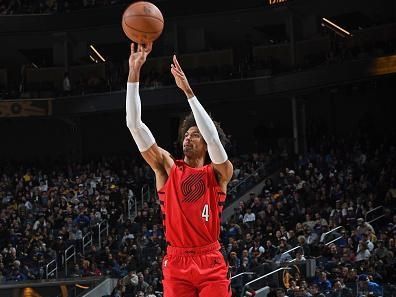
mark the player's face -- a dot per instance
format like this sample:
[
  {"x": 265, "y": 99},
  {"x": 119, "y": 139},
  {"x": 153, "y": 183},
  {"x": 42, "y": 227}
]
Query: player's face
[{"x": 193, "y": 143}]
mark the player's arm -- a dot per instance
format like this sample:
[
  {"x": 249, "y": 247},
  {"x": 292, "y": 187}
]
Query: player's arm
[
  {"x": 158, "y": 158},
  {"x": 221, "y": 164}
]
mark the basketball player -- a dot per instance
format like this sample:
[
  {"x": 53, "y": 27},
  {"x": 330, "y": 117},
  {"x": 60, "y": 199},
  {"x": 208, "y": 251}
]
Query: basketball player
[{"x": 191, "y": 193}]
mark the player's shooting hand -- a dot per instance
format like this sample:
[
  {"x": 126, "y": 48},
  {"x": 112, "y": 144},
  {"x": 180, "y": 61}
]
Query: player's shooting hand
[
  {"x": 138, "y": 55},
  {"x": 180, "y": 78}
]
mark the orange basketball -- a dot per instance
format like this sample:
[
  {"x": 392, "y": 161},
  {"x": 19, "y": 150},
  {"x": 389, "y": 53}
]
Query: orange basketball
[{"x": 142, "y": 22}]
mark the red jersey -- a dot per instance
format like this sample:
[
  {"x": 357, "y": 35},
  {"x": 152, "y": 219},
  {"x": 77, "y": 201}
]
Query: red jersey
[{"x": 191, "y": 204}]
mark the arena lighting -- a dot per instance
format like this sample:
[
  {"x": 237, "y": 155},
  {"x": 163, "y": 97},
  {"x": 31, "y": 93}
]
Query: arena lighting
[
  {"x": 329, "y": 24},
  {"x": 35, "y": 65},
  {"x": 96, "y": 52},
  {"x": 93, "y": 59}
]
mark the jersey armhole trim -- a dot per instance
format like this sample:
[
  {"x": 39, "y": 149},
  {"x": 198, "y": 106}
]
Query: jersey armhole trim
[
  {"x": 161, "y": 190},
  {"x": 220, "y": 191}
]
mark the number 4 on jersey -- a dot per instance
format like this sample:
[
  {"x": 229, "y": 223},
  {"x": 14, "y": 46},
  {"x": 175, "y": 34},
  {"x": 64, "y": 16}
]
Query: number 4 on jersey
[{"x": 205, "y": 212}]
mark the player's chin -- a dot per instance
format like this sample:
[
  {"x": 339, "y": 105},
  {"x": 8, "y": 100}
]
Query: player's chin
[{"x": 187, "y": 151}]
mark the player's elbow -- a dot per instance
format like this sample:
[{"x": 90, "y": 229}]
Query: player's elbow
[{"x": 133, "y": 126}]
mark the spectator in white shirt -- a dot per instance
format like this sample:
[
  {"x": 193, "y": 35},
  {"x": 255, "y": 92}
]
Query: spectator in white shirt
[{"x": 249, "y": 216}]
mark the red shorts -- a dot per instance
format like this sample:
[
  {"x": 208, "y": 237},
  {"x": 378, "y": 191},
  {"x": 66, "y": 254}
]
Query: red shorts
[{"x": 195, "y": 272}]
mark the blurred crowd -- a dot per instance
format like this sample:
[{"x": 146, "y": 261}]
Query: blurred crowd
[
  {"x": 46, "y": 210},
  {"x": 337, "y": 184}
]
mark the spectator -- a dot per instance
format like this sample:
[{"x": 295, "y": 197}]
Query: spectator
[
  {"x": 280, "y": 293},
  {"x": 249, "y": 216},
  {"x": 323, "y": 283},
  {"x": 366, "y": 286}
]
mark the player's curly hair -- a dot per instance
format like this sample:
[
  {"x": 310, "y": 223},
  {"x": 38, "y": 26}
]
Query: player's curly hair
[{"x": 189, "y": 121}]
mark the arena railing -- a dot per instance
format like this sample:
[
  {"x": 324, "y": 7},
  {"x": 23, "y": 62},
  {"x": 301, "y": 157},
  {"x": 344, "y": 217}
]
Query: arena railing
[
  {"x": 102, "y": 229},
  {"x": 292, "y": 249},
  {"x": 86, "y": 240},
  {"x": 331, "y": 232},
  {"x": 242, "y": 186},
  {"x": 132, "y": 203},
  {"x": 145, "y": 191},
  {"x": 246, "y": 286},
  {"x": 373, "y": 211},
  {"x": 241, "y": 274},
  {"x": 333, "y": 240},
  {"x": 49, "y": 272},
  {"x": 69, "y": 256}
]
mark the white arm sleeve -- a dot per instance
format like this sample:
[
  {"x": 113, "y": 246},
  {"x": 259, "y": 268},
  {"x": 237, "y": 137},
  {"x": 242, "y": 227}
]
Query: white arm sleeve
[
  {"x": 140, "y": 132},
  {"x": 208, "y": 130}
]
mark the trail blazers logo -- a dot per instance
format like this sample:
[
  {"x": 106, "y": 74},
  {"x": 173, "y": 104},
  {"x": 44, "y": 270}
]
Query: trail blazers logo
[{"x": 193, "y": 187}]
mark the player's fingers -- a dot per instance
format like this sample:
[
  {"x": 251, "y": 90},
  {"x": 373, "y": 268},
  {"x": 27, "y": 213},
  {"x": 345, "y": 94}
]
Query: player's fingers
[
  {"x": 149, "y": 47},
  {"x": 176, "y": 74},
  {"x": 139, "y": 47},
  {"x": 176, "y": 69},
  {"x": 177, "y": 63},
  {"x": 132, "y": 48}
]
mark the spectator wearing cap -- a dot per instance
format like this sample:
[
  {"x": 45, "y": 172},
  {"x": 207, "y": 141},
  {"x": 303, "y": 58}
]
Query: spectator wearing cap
[{"x": 366, "y": 286}]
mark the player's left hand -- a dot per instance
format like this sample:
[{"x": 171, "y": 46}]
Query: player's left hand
[{"x": 180, "y": 77}]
